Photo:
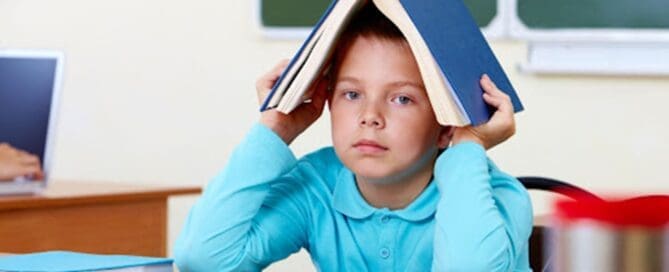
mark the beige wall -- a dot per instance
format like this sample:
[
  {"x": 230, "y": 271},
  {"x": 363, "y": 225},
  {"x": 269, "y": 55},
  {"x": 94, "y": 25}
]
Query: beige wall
[{"x": 161, "y": 91}]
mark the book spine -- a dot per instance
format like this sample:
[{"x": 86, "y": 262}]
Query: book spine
[
  {"x": 266, "y": 104},
  {"x": 313, "y": 66}
]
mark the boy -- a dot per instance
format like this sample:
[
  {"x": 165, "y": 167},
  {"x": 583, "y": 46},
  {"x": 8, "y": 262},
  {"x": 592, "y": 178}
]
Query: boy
[{"x": 385, "y": 198}]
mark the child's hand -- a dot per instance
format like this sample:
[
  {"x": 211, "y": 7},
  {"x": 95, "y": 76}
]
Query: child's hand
[
  {"x": 501, "y": 125},
  {"x": 289, "y": 126},
  {"x": 18, "y": 163}
]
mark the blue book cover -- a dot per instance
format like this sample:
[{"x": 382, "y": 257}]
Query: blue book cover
[
  {"x": 66, "y": 261},
  {"x": 461, "y": 51},
  {"x": 265, "y": 105}
]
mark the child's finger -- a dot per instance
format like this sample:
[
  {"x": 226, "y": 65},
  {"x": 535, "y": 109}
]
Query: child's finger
[
  {"x": 317, "y": 98},
  {"x": 29, "y": 159},
  {"x": 30, "y": 170},
  {"x": 279, "y": 67},
  {"x": 492, "y": 100},
  {"x": 5, "y": 146},
  {"x": 265, "y": 83},
  {"x": 489, "y": 86},
  {"x": 502, "y": 104},
  {"x": 502, "y": 121},
  {"x": 307, "y": 96},
  {"x": 486, "y": 78},
  {"x": 39, "y": 175},
  {"x": 268, "y": 80}
]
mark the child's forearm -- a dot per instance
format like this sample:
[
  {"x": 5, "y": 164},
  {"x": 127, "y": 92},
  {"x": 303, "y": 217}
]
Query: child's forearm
[
  {"x": 483, "y": 218},
  {"x": 216, "y": 233}
]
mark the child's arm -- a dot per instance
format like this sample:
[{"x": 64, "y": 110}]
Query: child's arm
[
  {"x": 251, "y": 214},
  {"x": 484, "y": 216}
]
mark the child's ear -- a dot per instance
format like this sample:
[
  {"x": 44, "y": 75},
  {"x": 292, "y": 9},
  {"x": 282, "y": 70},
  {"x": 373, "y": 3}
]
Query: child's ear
[{"x": 445, "y": 136}]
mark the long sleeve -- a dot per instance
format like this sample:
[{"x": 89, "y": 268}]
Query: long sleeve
[
  {"x": 484, "y": 216},
  {"x": 246, "y": 217}
]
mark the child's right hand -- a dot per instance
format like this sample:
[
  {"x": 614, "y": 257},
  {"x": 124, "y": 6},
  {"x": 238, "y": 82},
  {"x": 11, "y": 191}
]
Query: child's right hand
[
  {"x": 501, "y": 125},
  {"x": 289, "y": 126}
]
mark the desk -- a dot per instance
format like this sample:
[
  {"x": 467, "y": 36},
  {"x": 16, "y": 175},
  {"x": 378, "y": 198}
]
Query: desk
[{"x": 89, "y": 217}]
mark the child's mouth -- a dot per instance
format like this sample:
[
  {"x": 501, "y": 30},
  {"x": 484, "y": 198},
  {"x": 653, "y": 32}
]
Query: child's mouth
[{"x": 369, "y": 147}]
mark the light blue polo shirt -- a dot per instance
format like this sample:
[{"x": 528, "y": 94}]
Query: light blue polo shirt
[{"x": 266, "y": 205}]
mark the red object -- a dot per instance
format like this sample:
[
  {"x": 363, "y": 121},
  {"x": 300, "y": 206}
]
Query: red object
[{"x": 646, "y": 211}]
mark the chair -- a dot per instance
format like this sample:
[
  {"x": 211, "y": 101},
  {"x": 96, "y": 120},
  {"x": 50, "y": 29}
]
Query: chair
[
  {"x": 556, "y": 186},
  {"x": 537, "y": 262}
]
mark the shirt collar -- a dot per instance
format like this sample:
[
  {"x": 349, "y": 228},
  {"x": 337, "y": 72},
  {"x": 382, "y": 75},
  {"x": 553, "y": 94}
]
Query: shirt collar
[
  {"x": 348, "y": 200},
  {"x": 346, "y": 197}
]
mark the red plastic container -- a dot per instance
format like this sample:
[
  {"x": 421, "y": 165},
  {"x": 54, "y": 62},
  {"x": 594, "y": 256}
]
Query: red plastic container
[{"x": 620, "y": 235}]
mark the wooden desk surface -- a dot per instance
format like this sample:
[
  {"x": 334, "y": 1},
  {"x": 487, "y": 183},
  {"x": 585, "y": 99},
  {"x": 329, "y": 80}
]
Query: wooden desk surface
[
  {"x": 65, "y": 193},
  {"x": 107, "y": 218}
]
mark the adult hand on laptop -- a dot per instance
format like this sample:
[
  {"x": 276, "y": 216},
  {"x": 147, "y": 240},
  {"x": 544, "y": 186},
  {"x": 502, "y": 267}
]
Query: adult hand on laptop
[{"x": 18, "y": 163}]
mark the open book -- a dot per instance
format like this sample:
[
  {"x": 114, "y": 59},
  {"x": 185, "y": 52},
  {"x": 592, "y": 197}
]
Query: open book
[
  {"x": 450, "y": 50},
  {"x": 66, "y": 261}
]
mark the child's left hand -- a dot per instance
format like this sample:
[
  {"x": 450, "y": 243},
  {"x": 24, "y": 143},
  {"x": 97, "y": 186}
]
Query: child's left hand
[
  {"x": 501, "y": 125},
  {"x": 18, "y": 163}
]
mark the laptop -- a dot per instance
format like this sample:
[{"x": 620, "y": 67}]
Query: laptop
[{"x": 30, "y": 83}]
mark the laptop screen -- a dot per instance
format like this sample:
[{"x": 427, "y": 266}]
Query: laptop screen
[{"x": 28, "y": 86}]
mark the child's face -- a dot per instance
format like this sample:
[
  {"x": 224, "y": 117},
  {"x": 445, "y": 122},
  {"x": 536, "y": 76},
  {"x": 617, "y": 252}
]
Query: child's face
[{"x": 383, "y": 127}]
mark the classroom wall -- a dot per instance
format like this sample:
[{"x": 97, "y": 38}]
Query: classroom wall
[{"x": 159, "y": 92}]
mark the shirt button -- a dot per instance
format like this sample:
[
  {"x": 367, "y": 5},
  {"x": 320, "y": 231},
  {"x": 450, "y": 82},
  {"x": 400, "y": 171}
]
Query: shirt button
[
  {"x": 385, "y": 219},
  {"x": 384, "y": 252}
]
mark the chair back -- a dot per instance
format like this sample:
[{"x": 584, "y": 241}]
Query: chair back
[{"x": 538, "y": 260}]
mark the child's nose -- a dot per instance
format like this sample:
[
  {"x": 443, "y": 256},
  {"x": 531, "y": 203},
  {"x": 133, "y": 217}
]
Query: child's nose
[
  {"x": 371, "y": 117},
  {"x": 370, "y": 123}
]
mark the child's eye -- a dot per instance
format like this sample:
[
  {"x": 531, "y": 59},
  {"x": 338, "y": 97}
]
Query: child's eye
[
  {"x": 402, "y": 100},
  {"x": 351, "y": 95}
]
